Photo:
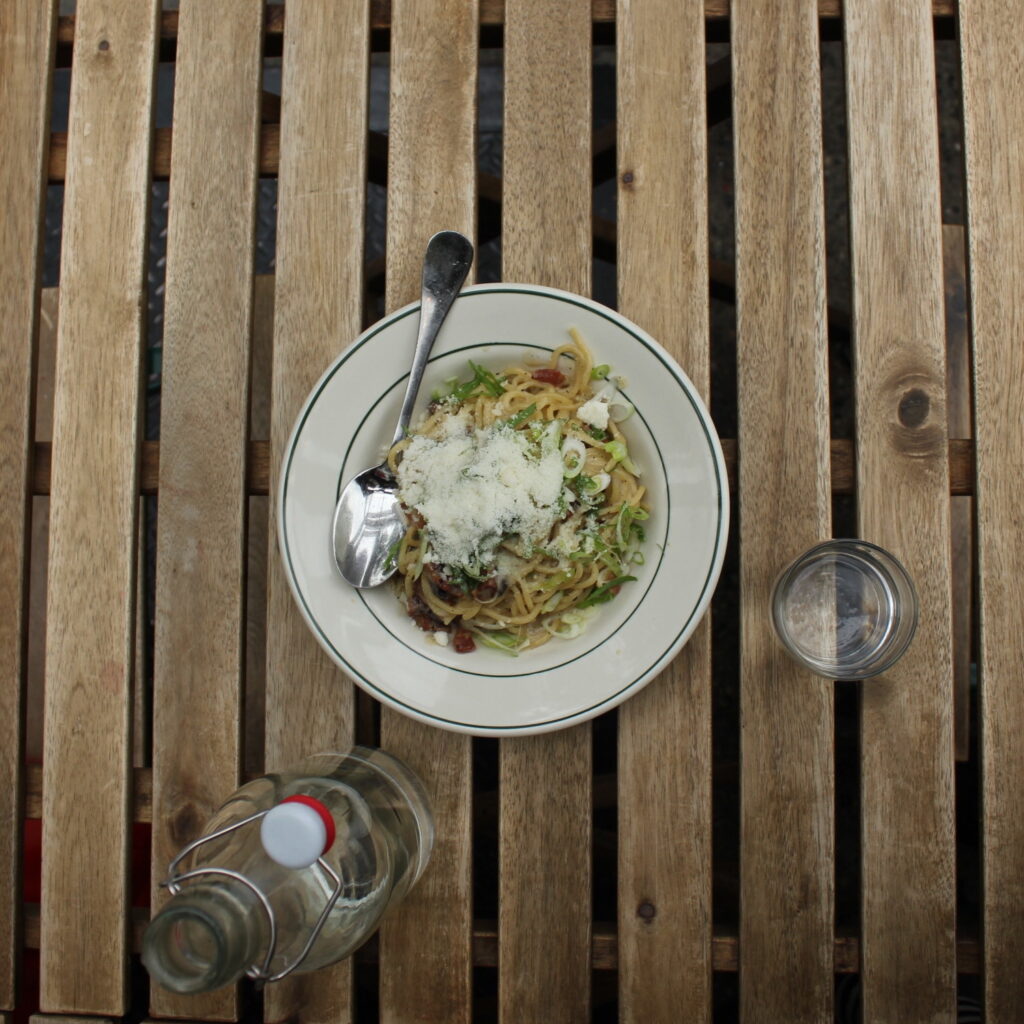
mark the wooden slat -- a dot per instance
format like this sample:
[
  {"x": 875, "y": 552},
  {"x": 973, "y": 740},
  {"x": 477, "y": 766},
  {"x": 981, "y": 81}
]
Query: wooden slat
[
  {"x": 321, "y": 193},
  {"x": 908, "y": 844},
  {"x": 993, "y": 89},
  {"x": 426, "y": 949},
  {"x": 491, "y": 13},
  {"x": 204, "y": 426},
  {"x": 545, "y": 884},
  {"x": 90, "y": 606},
  {"x": 787, "y": 836},
  {"x": 664, "y": 856},
  {"x": 26, "y": 57},
  {"x": 961, "y": 509},
  {"x": 42, "y": 1018}
]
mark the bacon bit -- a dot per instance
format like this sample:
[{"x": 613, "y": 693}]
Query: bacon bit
[
  {"x": 490, "y": 590},
  {"x": 440, "y": 584},
  {"x": 549, "y": 376},
  {"x": 464, "y": 642},
  {"x": 421, "y": 614}
]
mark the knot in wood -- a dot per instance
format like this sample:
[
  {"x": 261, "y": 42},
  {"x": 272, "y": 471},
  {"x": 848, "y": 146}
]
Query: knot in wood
[
  {"x": 104, "y": 45},
  {"x": 917, "y": 427},
  {"x": 186, "y": 823},
  {"x": 627, "y": 178},
  {"x": 646, "y": 911},
  {"x": 913, "y": 407}
]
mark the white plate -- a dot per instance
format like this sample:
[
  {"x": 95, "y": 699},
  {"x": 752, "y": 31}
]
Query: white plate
[{"x": 349, "y": 418}]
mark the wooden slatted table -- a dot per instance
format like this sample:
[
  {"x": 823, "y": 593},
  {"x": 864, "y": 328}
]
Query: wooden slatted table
[{"x": 695, "y": 855}]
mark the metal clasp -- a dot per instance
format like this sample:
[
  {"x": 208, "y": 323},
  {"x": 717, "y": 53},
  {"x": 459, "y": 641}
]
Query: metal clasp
[{"x": 260, "y": 974}]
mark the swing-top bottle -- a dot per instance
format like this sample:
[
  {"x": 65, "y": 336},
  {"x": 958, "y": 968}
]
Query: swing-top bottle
[{"x": 292, "y": 873}]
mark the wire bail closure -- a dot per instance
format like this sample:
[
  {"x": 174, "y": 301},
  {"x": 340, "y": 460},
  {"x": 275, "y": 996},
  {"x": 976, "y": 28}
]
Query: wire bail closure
[{"x": 260, "y": 974}]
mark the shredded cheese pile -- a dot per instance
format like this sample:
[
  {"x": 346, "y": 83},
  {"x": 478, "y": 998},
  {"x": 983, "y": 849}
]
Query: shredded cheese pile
[{"x": 475, "y": 487}]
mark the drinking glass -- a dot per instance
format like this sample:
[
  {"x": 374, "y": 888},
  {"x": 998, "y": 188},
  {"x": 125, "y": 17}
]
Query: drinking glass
[{"x": 845, "y": 609}]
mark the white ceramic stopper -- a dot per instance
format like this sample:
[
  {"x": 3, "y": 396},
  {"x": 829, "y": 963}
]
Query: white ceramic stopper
[{"x": 293, "y": 834}]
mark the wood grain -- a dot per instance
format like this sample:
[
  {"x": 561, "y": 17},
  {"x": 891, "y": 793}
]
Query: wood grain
[
  {"x": 992, "y": 52},
  {"x": 492, "y": 12},
  {"x": 204, "y": 407},
  {"x": 961, "y": 509},
  {"x": 26, "y": 57},
  {"x": 42, "y": 1018},
  {"x": 317, "y": 309},
  {"x": 908, "y": 845},
  {"x": 664, "y": 857},
  {"x": 543, "y": 970},
  {"x": 90, "y": 605},
  {"x": 786, "y": 740},
  {"x": 426, "y": 956}
]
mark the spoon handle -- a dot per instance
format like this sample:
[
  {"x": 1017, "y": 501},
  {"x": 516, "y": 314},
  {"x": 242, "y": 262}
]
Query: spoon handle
[{"x": 445, "y": 266}]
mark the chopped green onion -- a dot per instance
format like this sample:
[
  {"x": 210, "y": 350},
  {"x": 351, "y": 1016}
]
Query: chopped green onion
[
  {"x": 550, "y": 437},
  {"x": 619, "y": 453},
  {"x": 556, "y": 580},
  {"x": 622, "y": 523},
  {"x": 597, "y": 433},
  {"x": 617, "y": 450},
  {"x": 482, "y": 378},
  {"x": 524, "y": 414},
  {"x": 499, "y": 640},
  {"x": 607, "y": 556},
  {"x": 574, "y": 453},
  {"x": 600, "y": 372},
  {"x": 491, "y": 384},
  {"x": 392, "y": 559},
  {"x": 605, "y": 592}
]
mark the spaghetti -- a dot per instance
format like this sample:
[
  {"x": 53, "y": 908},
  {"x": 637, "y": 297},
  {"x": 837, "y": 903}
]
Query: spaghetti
[{"x": 525, "y": 510}]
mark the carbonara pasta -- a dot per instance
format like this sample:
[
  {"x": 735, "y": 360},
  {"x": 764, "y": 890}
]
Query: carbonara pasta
[{"x": 525, "y": 510}]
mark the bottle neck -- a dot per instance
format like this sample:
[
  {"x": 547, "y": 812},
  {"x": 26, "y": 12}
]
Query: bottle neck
[{"x": 206, "y": 937}]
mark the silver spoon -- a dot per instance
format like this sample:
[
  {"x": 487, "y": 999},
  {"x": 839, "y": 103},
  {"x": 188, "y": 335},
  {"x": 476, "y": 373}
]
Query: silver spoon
[{"x": 368, "y": 520}]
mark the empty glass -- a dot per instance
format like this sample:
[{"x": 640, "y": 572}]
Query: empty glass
[{"x": 845, "y": 609}]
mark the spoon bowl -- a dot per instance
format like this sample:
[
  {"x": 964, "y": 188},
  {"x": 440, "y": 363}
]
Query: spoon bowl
[{"x": 368, "y": 521}]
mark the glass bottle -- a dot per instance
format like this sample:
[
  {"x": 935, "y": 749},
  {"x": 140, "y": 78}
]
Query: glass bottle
[{"x": 292, "y": 873}]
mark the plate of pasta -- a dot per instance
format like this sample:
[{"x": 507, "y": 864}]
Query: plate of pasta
[{"x": 566, "y": 511}]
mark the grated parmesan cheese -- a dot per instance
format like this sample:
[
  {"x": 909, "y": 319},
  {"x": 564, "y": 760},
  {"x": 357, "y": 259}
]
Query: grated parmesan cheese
[{"x": 474, "y": 488}]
